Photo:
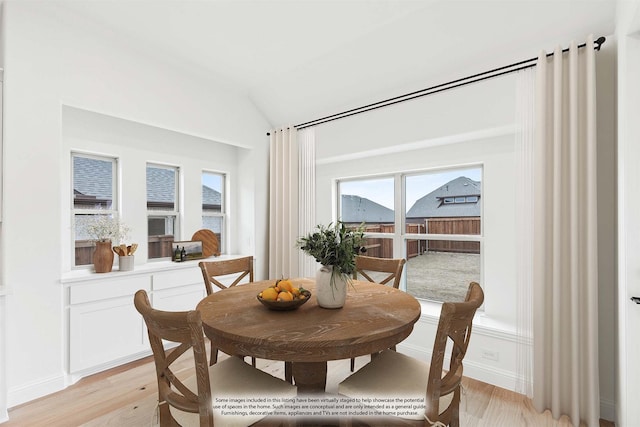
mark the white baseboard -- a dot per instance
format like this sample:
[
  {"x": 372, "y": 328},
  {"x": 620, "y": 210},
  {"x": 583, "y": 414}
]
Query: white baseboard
[
  {"x": 499, "y": 377},
  {"x": 477, "y": 371},
  {"x": 4, "y": 416},
  {"x": 76, "y": 376},
  {"x": 608, "y": 409},
  {"x": 34, "y": 390}
]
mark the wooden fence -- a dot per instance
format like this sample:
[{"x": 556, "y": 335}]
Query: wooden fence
[
  {"x": 383, "y": 247},
  {"x": 454, "y": 226}
]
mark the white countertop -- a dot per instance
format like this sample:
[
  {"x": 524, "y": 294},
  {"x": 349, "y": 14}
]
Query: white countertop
[{"x": 87, "y": 274}]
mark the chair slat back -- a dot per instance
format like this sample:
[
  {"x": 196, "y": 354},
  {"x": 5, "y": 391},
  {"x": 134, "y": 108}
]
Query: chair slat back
[
  {"x": 184, "y": 328},
  {"x": 212, "y": 270},
  {"x": 454, "y": 326},
  {"x": 366, "y": 264}
]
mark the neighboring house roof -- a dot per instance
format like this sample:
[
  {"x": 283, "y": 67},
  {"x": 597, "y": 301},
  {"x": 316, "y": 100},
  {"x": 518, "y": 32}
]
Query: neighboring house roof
[
  {"x": 161, "y": 185},
  {"x": 211, "y": 196},
  {"x": 433, "y": 204},
  {"x": 356, "y": 209},
  {"x": 91, "y": 183},
  {"x": 89, "y": 178}
]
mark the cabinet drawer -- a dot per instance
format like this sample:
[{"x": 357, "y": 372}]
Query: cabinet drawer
[
  {"x": 176, "y": 278},
  {"x": 183, "y": 298},
  {"x": 108, "y": 288}
]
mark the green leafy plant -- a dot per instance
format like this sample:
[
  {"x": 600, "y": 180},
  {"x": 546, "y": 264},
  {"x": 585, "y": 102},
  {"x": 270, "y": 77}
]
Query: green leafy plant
[{"x": 336, "y": 245}]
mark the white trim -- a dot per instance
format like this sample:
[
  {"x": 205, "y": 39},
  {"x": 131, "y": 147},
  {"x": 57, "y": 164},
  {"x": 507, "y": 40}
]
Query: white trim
[
  {"x": 418, "y": 145},
  {"x": 78, "y": 375},
  {"x": 35, "y": 389},
  {"x": 478, "y": 371}
]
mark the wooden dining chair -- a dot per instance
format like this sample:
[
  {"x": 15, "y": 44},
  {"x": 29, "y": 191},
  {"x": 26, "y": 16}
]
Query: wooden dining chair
[
  {"x": 211, "y": 273},
  {"x": 378, "y": 270},
  {"x": 213, "y": 270},
  {"x": 367, "y": 267},
  {"x": 187, "y": 400},
  {"x": 394, "y": 374}
]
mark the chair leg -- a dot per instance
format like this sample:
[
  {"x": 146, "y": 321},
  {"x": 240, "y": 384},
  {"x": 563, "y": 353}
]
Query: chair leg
[
  {"x": 253, "y": 362},
  {"x": 455, "y": 412},
  {"x": 288, "y": 372},
  {"x": 353, "y": 363},
  {"x": 214, "y": 355}
]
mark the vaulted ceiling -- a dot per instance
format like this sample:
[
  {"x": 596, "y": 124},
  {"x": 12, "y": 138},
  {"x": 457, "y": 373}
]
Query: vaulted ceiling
[{"x": 298, "y": 60}]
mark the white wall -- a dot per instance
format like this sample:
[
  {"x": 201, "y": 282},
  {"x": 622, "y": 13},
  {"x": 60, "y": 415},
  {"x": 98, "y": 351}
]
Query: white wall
[
  {"x": 135, "y": 145},
  {"x": 467, "y": 125},
  {"x": 628, "y": 158},
  {"x": 52, "y": 60}
]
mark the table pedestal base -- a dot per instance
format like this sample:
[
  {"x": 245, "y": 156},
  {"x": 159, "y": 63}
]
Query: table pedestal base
[{"x": 310, "y": 377}]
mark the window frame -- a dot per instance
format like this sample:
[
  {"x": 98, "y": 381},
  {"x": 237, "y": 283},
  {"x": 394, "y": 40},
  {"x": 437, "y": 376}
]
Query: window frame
[
  {"x": 113, "y": 209},
  {"x": 156, "y": 213},
  {"x": 223, "y": 207},
  {"x": 400, "y": 236}
]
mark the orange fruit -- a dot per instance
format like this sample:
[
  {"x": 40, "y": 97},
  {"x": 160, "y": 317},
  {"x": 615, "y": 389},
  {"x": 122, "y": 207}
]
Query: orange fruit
[
  {"x": 270, "y": 294},
  {"x": 285, "y": 285},
  {"x": 285, "y": 296},
  {"x": 295, "y": 292}
]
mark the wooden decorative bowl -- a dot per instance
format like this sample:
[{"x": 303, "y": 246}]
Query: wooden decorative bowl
[{"x": 285, "y": 305}]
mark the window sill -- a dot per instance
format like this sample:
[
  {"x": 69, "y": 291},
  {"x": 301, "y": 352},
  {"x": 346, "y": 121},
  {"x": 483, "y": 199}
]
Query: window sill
[{"x": 88, "y": 274}]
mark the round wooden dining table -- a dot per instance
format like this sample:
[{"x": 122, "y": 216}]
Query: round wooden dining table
[{"x": 375, "y": 317}]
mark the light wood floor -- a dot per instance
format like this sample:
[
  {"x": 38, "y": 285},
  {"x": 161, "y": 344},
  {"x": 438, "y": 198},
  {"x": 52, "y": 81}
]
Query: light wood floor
[{"x": 127, "y": 396}]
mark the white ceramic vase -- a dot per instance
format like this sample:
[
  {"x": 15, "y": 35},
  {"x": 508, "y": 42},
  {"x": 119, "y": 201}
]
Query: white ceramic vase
[{"x": 330, "y": 293}]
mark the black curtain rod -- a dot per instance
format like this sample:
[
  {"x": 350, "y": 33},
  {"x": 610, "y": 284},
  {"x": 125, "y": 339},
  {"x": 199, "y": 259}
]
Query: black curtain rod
[{"x": 528, "y": 63}]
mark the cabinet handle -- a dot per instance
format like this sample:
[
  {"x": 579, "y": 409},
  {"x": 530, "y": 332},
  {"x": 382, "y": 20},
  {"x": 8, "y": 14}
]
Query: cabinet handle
[{"x": 636, "y": 300}]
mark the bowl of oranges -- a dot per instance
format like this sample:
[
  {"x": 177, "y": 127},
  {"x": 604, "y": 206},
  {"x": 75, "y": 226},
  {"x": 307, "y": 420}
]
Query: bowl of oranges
[{"x": 283, "y": 295}]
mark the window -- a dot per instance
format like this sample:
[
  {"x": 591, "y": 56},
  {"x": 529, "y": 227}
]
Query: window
[
  {"x": 94, "y": 194},
  {"x": 440, "y": 233},
  {"x": 162, "y": 209},
  {"x": 360, "y": 203},
  {"x": 213, "y": 204}
]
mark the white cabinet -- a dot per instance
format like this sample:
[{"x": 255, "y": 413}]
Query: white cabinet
[
  {"x": 178, "y": 290},
  {"x": 104, "y": 327}
]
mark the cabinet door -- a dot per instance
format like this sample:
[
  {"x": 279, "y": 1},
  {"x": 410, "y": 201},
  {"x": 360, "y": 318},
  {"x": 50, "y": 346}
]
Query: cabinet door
[
  {"x": 105, "y": 331},
  {"x": 179, "y": 299}
]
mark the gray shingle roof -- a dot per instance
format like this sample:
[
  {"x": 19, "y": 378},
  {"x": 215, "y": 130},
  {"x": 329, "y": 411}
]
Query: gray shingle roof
[
  {"x": 211, "y": 196},
  {"x": 432, "y": 205},
  {"x": 161, "y": 185},
  {"x": 356, "y": 209},
  {"x": 92, "y": 177}
]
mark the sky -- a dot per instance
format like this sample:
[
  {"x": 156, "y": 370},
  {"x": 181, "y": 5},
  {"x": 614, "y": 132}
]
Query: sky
[
  {"x": 381, "y": 190},
  {"x": 212, "y": 180}
]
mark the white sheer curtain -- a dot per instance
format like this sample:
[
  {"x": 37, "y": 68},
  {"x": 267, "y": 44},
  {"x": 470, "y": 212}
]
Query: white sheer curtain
[
  {"x": 307, "y": 195},
  {"x": 525, "y": 97},
  {"x": 565, "y": 279},
  {"x": 291, "y": 200},
  {"x": 283, "y": 203}
]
